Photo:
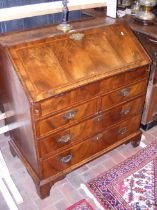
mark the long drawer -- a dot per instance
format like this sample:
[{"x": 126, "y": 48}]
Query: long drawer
[
  {"x": 88, "y": 128},
  {"x": 86, "y": 149},
  {"x": 67, "y": 99}
]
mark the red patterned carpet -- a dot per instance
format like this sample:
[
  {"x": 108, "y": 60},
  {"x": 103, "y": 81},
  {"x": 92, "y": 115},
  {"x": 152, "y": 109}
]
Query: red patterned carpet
[
  {"x": 81, "y": 205},
  {"x": 131, "y": 185}
]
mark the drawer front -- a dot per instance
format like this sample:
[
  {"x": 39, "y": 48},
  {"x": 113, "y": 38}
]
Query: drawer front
[
  {"x": 86, "y": 149},
  {"x": 123, "y": 79},
  {"x": 58, "y": 102},
  {"x": 69, "y": 137},
  {"x": 90, "y": 127},
  {"x": 86, "y": 92},
  {"x": 121, "y": 112},
  {"x": 68, "y": 99},
  {"x": 47, "y": 125},
  {"x": 112, "y": 83},
  {"x": 123, "y": 95}
]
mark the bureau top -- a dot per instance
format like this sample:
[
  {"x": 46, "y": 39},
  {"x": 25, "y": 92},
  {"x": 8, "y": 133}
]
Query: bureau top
[{"x": 63, "y": 62}]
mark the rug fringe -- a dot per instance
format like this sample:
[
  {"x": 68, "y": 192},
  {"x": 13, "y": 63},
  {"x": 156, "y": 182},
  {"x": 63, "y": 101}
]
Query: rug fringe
[{"x": 89, "y": 194}]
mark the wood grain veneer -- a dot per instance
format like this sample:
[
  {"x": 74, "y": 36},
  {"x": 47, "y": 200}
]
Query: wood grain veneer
[{"x": 73, "y": 99}]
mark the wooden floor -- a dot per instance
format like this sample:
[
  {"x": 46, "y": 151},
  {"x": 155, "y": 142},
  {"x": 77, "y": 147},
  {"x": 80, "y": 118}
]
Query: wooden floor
[{"x": 67, "y": 191}]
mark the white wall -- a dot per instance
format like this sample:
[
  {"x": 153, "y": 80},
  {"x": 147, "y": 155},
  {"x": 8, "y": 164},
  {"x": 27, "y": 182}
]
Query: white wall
[{"x": 47, "y": 8}]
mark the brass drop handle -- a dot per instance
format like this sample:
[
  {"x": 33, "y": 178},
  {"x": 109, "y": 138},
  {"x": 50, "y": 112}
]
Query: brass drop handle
[
  {"x": 97, "y": 137},
  {"x": 98, "y": 118},
  {"x": 125, "y": 92},
  {"x": 70, "y": 115},
  {"x": 123, "y": 130},
  {"x": 65, "y": 139},
  {"x": 66, "y": 159},
  {"x": 125, "y": 111}
]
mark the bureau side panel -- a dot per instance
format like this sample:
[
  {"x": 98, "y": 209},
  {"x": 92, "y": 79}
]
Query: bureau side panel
[
  {"x": 15, "y": 100},
  {"x": 150, "y": 108}
]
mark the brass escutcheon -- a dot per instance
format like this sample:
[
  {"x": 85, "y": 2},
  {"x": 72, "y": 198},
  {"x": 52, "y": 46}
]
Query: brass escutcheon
[
  {"x": 97, "y": 137},
  {"x": 98, "y": 118},
  {"x": 77, "y": 36}
]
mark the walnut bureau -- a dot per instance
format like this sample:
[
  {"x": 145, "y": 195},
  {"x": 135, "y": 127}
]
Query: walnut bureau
[{"x": 74, "y": 96}]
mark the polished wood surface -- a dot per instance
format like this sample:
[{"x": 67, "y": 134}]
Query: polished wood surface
[
  {"x": 15, "y": 99},
  {"x": 74, "y": 96},
  {"x": 92, "y": 146},
  {"x": 80, "y": 132},
  {"x": 123, "y": 94},
  {"x": 68, "y": 137},
  {"x": 66, "y": 118},
  {"x": 58, "y": 56},
  {"x": 122, "y": 112},
  {"x": 62, "y": 101},
  {"x": 147, "y": 35}
]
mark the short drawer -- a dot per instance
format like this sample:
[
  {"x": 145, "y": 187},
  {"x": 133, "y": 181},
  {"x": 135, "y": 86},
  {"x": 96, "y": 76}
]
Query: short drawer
[
  {"x": 69, "y": 98},
  {"x": 74, "y": 114},
  {"x": 123, "y": 94},
  {"x": 64, "y": 100},
  {"x": 58, "y": 102},
  {"x": 92, "y": 146},
  {"x": 122, "y": 112},
  {"x": 68, "y": 137},
  {"x": 123, "y": 79}
]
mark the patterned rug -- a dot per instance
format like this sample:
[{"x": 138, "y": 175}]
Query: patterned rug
[
  {"x": 81, "y": 205},
  {"x": 131, "y": 185}
]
